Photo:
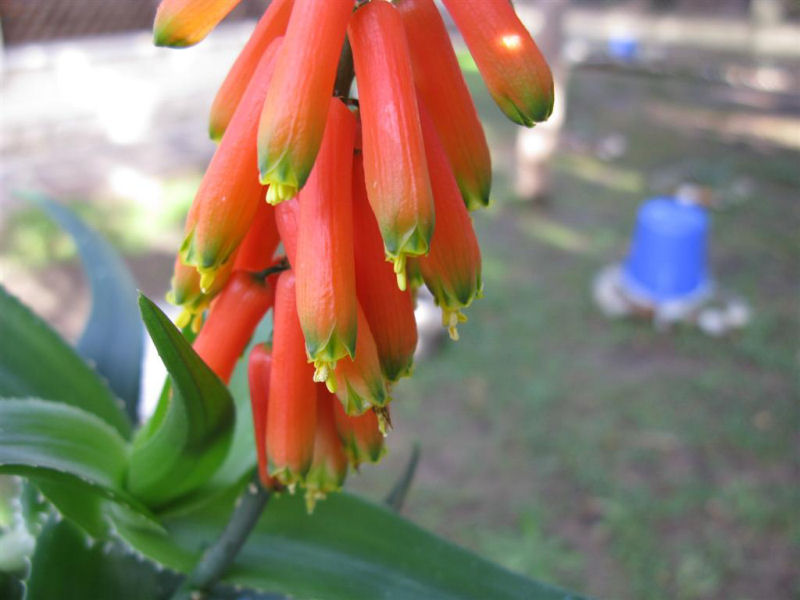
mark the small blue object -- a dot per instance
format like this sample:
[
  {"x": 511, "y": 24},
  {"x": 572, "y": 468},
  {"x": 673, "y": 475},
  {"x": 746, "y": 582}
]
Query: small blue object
[
  {"x": 623, "y": 48},
  {"x": 668, "y": 260}
]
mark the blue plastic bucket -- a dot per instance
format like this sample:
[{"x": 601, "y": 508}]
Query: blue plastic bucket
[
  {"x": 668, "y": 260},
  {"x": 623, "y": 48}
]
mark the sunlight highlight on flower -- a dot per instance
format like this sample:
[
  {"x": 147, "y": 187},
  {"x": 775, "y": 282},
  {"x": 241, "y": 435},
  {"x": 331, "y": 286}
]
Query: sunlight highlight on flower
[{"x": 511, "y": 41}]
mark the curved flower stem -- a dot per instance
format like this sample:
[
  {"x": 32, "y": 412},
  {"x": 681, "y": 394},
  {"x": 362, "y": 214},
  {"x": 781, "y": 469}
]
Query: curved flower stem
[
  {"x": 219, "y": 556},
  {"x": 280, "y": 265},
  {"x": 345, "y": 72}
]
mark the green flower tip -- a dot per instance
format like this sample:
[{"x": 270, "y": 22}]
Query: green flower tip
[
  {"x": 215, "y": 131},
  {"x": 164, "y": 37}
]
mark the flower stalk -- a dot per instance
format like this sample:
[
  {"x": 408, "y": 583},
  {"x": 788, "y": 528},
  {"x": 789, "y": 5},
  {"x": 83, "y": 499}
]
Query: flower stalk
[{"x": 220, "y": 555}]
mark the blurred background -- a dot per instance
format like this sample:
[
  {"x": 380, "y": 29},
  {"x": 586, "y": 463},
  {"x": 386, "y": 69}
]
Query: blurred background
[{"x": 618, "y": 457}]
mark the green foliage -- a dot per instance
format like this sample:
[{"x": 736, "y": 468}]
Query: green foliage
[
  {"x": 53, "y": 436},
  {"x": 36, "y": 362},
  {"x": 189, "y": 435},
  {"x": 95, "y": 570},
  {"x": 349, "y": 549},
  {"x": 113, "y": 338}
]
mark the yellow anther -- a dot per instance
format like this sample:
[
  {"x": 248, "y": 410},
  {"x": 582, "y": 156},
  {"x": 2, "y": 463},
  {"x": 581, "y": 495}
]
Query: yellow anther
[
  {"x": 278, "y": 192},
  {"x": 330, "y": 383},
  {"x": 197, "y": 322},
  {"x": 451, "y": 319},
  {"x": 321, "y": 371},
  {"x": 184, "y": 318},
  {"x": 400, "y": 271},
  {"x": 384, "y": 420},
  {"x": 312, "y": 496},
  {"x": 207, "y": 277}
]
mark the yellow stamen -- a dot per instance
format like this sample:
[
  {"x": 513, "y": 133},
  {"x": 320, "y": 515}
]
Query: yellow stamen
[
  {"x": 384, "y": 420},
  {"x": 197, "y": 322},
  {"x": 322, "y": 370},
  {"x": 312, "y": 496},
  {"x": 278, "y": 192},
  {"x": 400, "y": 271},
  {"x": 184, "y": 318},
  {"x": 207, "y": 277},
  {"x": 330, "y": 383},
  {"x": 450, "y": 319}
]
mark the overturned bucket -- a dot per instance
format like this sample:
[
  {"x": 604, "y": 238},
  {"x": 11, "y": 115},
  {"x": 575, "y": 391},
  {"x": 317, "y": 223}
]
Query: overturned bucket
[{"x": 668, "y": 259}]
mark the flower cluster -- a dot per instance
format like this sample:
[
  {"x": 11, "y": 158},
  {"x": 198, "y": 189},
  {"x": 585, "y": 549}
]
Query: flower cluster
[{"x": 370, "y": 198}]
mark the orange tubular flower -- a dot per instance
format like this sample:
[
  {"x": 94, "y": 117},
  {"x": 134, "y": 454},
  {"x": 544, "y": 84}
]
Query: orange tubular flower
[
  {"x": 258, "y": 246},
  {"x": 231, "y": 322},
  {"x": 511, "y": 64},
  {"x": 452, "y": 270},
  {"x": 329, "y": 465},
  {"x": 389, "y": 311},
  {"x": 359, "y": 381},
  {"x": 230, "y": 192},
  {"x": 292, "y": 407},
  {"x": 258, "y": 373},
  {"x": 361, "y": 436},
  {"x": 394, "y": 155},
  {"x": 441, "y": 86},
  {"x": 185, "y": 292},
  {"x": 287, "y": 219},
  {"x": 270, "y": 26},
  {"x": 296, "y": 108},
  {"x": 326, "y": 285},
  {"x": 181, "y": 23}
]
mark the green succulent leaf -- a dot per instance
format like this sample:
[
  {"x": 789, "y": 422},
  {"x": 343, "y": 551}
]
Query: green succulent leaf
[
  {"x": 67, "y": 566},
  {"x": 36, "y": 362},
  {"x": 349, "y": 549},
  {"x": 113, "y": 338},
  {"x": 50, "y": 435},
  {"x": 189, "y": 435},
  {"x": 78, "y": 460}
]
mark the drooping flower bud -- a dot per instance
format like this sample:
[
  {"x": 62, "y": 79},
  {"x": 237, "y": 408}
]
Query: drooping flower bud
[
  {"x": 296, "y": 108},
  {"x": 271, "y": 25},
  {"x": 185, "y": 292},
  {"x": 358, "y": 381},
  {"x": 329, "y": 465},
  {"x": 292, "y": 407},
  {"x": 452, "y": 270},
  {"x": 394, "y": 155},
  {"x": 230, "y": 192},
  {"x": 441, "y": 86},
  {"x": 360, "y": 435},
  {"x": 511, "y": 64},
  {"x": 258, "y": 246},
  {"x": 258, "y": 373},
  {"x": 181, "y": 23},
  {"x": 326, "y": 286},
  {"x": 231, "y": 321},
  {"x": 389, "y": 311}
]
